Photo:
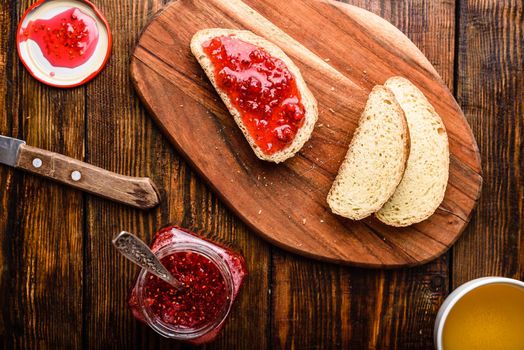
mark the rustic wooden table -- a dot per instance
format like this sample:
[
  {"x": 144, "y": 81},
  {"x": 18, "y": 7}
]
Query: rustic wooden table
[{"x": 63, "y": 285}]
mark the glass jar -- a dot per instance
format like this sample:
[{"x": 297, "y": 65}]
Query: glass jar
[{"x": 213, "y": 275}]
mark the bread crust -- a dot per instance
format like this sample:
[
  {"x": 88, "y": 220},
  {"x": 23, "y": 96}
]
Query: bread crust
[
  {"x": 346, "y": 209},
  {"x": 307, "y": 99},
  {"x": 409, "y": 204}
]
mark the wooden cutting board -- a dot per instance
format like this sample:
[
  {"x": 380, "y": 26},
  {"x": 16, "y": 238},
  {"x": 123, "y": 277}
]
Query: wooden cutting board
[{"x": 286, "y": 204}]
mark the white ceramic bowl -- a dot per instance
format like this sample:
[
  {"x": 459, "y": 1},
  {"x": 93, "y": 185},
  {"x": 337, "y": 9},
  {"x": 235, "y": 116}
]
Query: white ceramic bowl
[
  {"x": 457, "y": 294},
  {"x": 40, "y": 68}
]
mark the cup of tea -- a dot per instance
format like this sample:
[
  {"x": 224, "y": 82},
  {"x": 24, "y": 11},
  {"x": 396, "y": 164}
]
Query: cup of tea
[{"x": 485, "y": 313}]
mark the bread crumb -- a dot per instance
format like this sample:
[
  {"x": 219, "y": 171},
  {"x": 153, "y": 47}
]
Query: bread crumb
[
  {"x": 332, "y": 88},
  {"x": 332, "y": 110},
  {"x": 304, "y": 221},
  {"x": 321, "y": 220},
  {"x": 327, "y": 59},
  {"x": 260, "y": 212},
  {"x": 320, "y": 125}
]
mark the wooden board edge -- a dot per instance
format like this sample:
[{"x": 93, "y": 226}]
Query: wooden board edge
[
  {"x": 423, "y": 62},
  {"x": 133, "y": 68},
  {"x": 292, "y": 249}
]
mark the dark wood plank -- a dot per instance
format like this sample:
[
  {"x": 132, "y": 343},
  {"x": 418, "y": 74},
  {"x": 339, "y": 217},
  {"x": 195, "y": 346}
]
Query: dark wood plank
[
  {"x": 119, "y": 139},
  {"x": 8, "y": 183},
  {"x": 490, "y": 90},
  {"x": 122, "y": 138},
  {"x": 41, "y": 236},
  {"x": 364, "y": 50},
  {"x": 321, "y": 306}
]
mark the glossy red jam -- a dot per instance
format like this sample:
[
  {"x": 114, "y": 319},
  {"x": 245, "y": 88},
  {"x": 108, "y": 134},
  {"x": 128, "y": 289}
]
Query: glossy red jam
[
  {"x": 212, "y": 287},
  {"x": 67, "y": 40},
  {"x": 261, "y": 87},
  {"x": 199, "y": 303}
]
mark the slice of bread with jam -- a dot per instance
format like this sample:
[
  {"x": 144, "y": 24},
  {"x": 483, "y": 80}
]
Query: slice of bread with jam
[{"x": 261, "y": 87}]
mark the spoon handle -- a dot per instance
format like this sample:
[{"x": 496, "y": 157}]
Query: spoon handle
[{"x": 134, "y": 249}]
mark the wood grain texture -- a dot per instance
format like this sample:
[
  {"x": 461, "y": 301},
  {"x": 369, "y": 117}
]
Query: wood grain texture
[
  {"x": 122, "y": 138},
  {"x": 366, "y": 52},
  {"x": 8, "y": 182},
  {"x": 490, "y": 85},
  {"x": 138, "y": 192},
  {"x": 41, "y": 236},
  {"x": 287, "y": 300},
  {"x": 392, "y": 309}
]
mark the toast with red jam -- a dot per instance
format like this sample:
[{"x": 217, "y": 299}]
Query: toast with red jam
[{"x": 261, "y": 87}]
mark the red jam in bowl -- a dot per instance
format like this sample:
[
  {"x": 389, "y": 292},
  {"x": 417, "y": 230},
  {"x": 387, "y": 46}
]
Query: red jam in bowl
[
  {"x": 212, "y": 276},
  {"x": 67, "y": 40},
  {"x": 261, "y": 88}
]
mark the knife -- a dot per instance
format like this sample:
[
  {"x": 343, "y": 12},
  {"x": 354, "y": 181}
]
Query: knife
[{"x": 139, "y": 192}]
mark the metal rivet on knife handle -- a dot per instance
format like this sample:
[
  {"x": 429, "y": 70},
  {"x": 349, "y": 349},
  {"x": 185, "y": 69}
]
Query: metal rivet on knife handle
[
  {"x": 37, "y": 162},
  {"x": 139, "y": 192},
  {"x": 76, "y": 175}
]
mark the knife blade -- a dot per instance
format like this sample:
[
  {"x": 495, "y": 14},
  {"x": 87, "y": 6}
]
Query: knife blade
[
  {"x": 9, "y": 148},
  {"x": 139, "y": 192}
]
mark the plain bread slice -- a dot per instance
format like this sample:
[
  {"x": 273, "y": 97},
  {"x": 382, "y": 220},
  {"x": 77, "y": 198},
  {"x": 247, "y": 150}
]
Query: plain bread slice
[
  {"x": 375, "y": 161},
  {"x": 424, "y": 184}
]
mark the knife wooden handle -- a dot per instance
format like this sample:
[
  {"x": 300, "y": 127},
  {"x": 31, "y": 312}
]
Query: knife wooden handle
[{"x": 139, "y": 192}]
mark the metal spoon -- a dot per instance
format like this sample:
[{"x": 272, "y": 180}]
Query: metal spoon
[{"x": 134, "y": 249}]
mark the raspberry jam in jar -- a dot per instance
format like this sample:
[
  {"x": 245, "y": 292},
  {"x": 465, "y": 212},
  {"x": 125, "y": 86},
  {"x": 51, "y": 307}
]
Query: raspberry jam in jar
[
  {"x": 212, "y": 276},
  {"x": 261, "y": 87}
]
